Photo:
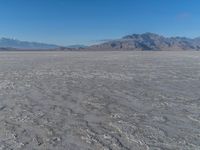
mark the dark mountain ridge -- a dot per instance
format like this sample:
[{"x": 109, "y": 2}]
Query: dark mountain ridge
[{"x": 150, "y": 41}]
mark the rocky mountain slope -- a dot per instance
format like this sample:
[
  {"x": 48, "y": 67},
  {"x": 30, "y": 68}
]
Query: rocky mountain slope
[{"x": 150, "y": 41}]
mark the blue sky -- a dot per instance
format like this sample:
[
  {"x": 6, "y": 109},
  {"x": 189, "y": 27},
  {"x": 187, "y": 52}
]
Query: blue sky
[{"x": 67, "y": 22}]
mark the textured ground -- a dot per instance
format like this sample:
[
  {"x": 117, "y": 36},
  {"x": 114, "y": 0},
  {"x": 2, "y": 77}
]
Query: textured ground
[{"x": 100, "y": 100}]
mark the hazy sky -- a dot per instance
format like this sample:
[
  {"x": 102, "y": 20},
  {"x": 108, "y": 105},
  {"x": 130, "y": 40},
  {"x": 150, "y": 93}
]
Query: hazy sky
[{"x": 67, "y": 22}]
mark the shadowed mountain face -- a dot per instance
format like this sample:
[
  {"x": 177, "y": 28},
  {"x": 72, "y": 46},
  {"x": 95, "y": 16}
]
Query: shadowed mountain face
[
  {"x": 17, "y": 44},
  {"x": 150, "y": 41}
]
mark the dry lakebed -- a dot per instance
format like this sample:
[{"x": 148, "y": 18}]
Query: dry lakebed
[{"x": 100, "y": 100}]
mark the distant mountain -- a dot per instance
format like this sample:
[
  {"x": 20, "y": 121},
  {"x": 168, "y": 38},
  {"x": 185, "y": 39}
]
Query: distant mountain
[
  {"x": 77, "y": 46},
  {"x": 6, "y": 43},
  {"x": 134, "y": 42},
  {"x": 150, "y": 42}
]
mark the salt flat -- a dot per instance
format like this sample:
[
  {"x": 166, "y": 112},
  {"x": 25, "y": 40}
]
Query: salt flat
[{"x": 99, "y": 100}]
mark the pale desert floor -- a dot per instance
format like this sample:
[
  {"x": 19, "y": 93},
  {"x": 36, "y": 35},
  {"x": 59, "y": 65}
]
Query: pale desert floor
[{"x": 99, "y": 100}]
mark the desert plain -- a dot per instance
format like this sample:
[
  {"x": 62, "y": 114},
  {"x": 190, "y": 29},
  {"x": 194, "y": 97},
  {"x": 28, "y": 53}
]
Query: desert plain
[{"x": 100, "y": 100}]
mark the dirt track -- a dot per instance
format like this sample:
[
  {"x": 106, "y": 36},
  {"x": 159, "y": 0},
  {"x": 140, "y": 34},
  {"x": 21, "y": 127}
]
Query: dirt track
[{"x": 100, "y": 100}]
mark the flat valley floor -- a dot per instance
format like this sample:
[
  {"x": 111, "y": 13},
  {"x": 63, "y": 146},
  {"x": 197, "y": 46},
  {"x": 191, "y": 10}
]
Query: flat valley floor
[{"x": 99, "y": 100}]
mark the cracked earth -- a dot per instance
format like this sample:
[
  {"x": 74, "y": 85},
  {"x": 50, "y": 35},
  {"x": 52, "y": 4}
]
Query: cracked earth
[{"x": 99, "y": 100}]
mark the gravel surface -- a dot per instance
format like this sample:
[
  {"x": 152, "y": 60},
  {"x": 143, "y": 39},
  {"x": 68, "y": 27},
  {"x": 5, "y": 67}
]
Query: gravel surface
[{"x": 99, "y": 101}]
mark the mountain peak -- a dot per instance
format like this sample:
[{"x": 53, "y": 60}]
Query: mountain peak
[
  {"x": 149, "y": 34},
  {"x": 144, "y": 35}
]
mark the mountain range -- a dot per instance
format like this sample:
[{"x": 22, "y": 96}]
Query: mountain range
[
  {"x": 150, "y": 42},
  {"x": 134, "y": 42},
  {"x": 6, "y": 43}
]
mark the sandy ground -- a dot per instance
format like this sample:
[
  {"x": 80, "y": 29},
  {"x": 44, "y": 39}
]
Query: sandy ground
[{"x": 100, "y": 101}]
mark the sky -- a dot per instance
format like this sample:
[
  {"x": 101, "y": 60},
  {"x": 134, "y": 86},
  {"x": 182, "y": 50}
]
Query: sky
[{"x": 69, "y": 22}]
